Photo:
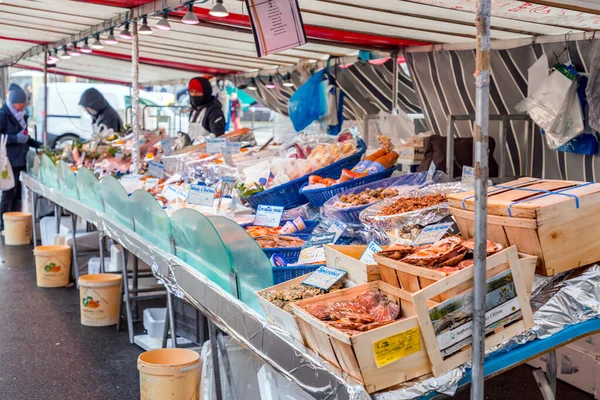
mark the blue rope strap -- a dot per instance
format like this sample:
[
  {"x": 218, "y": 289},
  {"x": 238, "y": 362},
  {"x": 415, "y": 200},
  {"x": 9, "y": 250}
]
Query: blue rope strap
[{"x": 497, "y": 188}]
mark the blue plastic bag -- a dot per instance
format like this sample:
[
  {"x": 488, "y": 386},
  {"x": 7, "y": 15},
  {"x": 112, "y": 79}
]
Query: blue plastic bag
[{"x": 309, "y": 102}]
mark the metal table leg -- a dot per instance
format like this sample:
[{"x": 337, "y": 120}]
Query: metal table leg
[
  {"x": 171, "y": 316},
  {"x": 165, "y": 330},
  {"x": 74, "y": 245},
  {"x": 102, "y": 243},
  {"x": 127, "y": 299},
  {"x": 57, "y": 215},
  {"x": 547, "y": 381},
  {"x": 134, "y": 285},
  {"x": 230, "y": 392},
  {"x": 34, "y": 217},
  {"x": 212, "y": 330}
]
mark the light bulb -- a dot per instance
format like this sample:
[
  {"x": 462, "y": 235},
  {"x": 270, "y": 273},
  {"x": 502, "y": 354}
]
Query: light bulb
[
  {"x": 85, "y": 48},
  {"x": 125, "y": 34},
  {"x": 111, "y": 39},
  {"x": 163, "y": 24},
  {"x": 271, "y": 84},
  {"x": 219, "y": 10},
  {"x": 65, "y": 54},
  {"x": 190, "y": 17},
  {"x": 145, "y": 29},
  {"x": 97, "y": 44},
  {"x": 74, "y": 51}
]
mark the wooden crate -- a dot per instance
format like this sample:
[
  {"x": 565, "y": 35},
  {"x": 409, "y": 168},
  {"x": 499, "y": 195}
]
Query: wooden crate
[
  {"x": 347, "y": 258},
  {"x": 355, "y": 354},
  {"x": 504, "y": 331},
  {"x": 413, "y": 278},
  {"x": 560, "y": 229}
]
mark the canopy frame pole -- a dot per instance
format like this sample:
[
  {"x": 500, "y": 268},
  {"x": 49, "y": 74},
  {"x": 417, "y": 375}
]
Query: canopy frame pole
[
  {"x": 135, "y": 97},
  {"x": 482, "y": 112},
  {"x": 395, "y": 73},
  {"x": 45, "y": 124}
]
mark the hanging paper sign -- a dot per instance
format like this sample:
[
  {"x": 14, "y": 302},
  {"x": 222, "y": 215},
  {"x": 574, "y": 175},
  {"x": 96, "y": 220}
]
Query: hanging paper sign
[
  {"x": 156, "y": 169},
  {"x": 313, "y": 251},
  {"x": 467, "y": 181},
  {"x": 166, "y": 146},
  {"x": 324, "y": 278},
  {"x": 201, "y": 195},
  {"x": 276, "y": 24},
  {"x": 337, "y": 227},
  {"x": 367, "y": 256},
  {"x": 268, "y": 216},
  {"x": 432, "y": 233},
  {"x": 215, "y": 145}
]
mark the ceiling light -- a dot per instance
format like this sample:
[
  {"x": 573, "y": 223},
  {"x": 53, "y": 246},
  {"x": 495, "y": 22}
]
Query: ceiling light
[
  {"x": 219, "y": 10},
  {"x": 288, "y": 81},
  {"x": 97, "y": 44},
  {"x": 252, "y": 85},
  {"x": 163, "y": 24},
  {"x": 52, "y": 58},
  {"x": 65, "y": 54},
  {"x": 271, "y": 84},
  {"x": 125, "y": 34},
  {"x": 74, "y": 51},
  {"x": 86, "y": 48},
  {"x": 111, "y": 39},
  {"x": 145, "y": 29},
  {"x": 190, "y": 17}
]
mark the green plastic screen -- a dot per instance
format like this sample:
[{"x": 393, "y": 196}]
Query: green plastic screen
[
  {"x": 151, "y": 221},
  {"x": 48, "y": 172},
  {"x": 66, "y": 180},
  {"x": 89, "y": 189},
  {"x": 116, "y": 201}
]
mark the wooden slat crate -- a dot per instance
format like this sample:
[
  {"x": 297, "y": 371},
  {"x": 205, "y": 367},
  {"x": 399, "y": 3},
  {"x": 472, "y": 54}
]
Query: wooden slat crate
[
  {"x": 347, "y": 258},
  {"x": 413, "y": 278},
  {"x": 503, "y": 329},
  {"x": 560, "y": 228},
  {"x": 356, "y": 355}
]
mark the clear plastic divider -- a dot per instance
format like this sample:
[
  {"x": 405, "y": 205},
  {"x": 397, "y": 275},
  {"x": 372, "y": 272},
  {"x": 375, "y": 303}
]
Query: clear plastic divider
[{"x": 151, "y": 221}]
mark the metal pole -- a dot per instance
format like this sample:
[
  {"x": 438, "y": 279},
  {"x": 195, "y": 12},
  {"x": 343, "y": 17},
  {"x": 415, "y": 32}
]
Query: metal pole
[
  {"x": 45, "y": 132},
  {"x": 503, "y": 133},
  {"x": 449, "y": 148},
  {"x": 395, "y": 72},
  {"x": 482, "y": 113},
  {"x": 135, "y": 97}
]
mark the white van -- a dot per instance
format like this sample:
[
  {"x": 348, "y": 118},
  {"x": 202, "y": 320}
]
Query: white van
[{"x": 68, "y": 121}]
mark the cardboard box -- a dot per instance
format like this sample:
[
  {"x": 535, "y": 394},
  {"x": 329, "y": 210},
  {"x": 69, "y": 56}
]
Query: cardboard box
[
  {"x": 415, "y": 153},
  {"x": 590, "y": 345},
  {"x": 347, "y": 258},
  {"x": 574, "y": 367}
]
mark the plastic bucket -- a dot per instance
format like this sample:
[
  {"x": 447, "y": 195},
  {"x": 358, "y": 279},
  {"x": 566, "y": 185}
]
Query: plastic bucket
[
  {"x": 99, "y": 297},
  {"x": 52, "y": 265},
  {"x": 17, "y": 228},
  {"x": 169, "y": 374}
]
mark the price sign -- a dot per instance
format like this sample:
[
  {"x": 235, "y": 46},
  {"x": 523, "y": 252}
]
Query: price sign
[
  {"x": 313, "y": 251},
  {"x": 324, "y": 278},
  {"x": 268, "y": 216},
  {"x": 150, "y": 183},
  {"x": 232, "y": 147},
  {"x": 215, "y": 145},
  {"x": 337, "y": 227},
  {"x": 166, "y": 146},
  {"x": 131, "y": 177},
  {"x": 467, "y": 181},
  {"x": 156, "y": 169},
  {"x": 367, "y": 256},
  {"x": 201, "y": 196},
  {"x": 229, "y": 180},
  {"x": 432, "y": 234},
  {"x": 173, "y": 193}
]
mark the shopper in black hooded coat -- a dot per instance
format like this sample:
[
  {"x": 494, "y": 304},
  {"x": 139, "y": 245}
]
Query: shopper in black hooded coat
[
  {"x": 207, "y": 115},
  {"x": 102, "y": 113}
]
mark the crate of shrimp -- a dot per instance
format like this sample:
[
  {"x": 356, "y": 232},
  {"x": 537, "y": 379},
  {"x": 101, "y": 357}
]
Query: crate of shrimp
[
  {"x": 415, "y": 268},
  {"x": 369, "y": 331}
]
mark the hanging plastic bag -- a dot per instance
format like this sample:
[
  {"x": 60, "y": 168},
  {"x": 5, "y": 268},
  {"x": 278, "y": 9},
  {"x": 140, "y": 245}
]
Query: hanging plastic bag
[
  {"x": 309, "y": 102},
  {"x": 7, "y": 179},
  {"x": 398, "y": 126}
]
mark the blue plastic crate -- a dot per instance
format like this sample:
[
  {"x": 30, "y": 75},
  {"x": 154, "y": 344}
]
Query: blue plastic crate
[
  {"x": 289, "y": 196},
  {"x": 318, "y": 197},
  {"x": 291, "y": 254},
  {"x": 310, "y": 227},
  {"x": 283, "y": 274}
]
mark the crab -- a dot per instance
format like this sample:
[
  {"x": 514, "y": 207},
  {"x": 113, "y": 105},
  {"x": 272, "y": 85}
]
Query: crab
[
  {"x": 446, "y": 252},
  {"x": 396, "y": 251},
  {"x": 491, "y": 247}
]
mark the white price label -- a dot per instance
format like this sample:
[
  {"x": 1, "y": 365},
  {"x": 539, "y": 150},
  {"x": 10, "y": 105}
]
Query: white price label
[
  {"x": 367, "y": 256},
  {"x": 150, "y": 183},
  {"x": 313, "y": 251},
  {"x": 337, "y": 227},
  {"x": 173, "y": 193},
  {"x": 215, "y": 145},
  {"x": 201, "y": 195},
  {"x": 467, "y": 181},
  {"x": 131, "y": 177},
  {"x": 324, "y": 277},
  {"x": 268, "y": 216},
  {"x": 232, "y": 147},
  {"x": 432, "y": 233},
  {"x": 166, "y": 146},
  {"x": 156, "y": 169}
]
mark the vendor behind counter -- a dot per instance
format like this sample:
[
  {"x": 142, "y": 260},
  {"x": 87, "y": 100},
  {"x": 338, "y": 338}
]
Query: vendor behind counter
[{"x": 207, "y": 116}]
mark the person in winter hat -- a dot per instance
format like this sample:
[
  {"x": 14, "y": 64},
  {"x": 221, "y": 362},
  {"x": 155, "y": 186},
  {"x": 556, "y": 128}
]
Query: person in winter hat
[
  {"x": 13, "y": 123},
  {"x": 101, "y": 112},
  {"x": 207, "y": 115}
]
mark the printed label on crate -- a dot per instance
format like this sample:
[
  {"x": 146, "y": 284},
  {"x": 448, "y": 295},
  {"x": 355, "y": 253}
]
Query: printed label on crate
[
  {"x": 467, "y": 181},
  {"x": 268, "y": 216},
  {"x": 395, "y": 347},
  {"x": 324, "y": 277},
  {"x": 313, "y": 251},
  {"x": 452, "y": 319},
  {"x": 175, "y": 193},
  {"x": 367, "y": 256},
  {"x": 337, "y": 227},
  {"x": 156, "y": 169},
  {"x": 150, "y": 183},
  {"x": 215, "y": 145},
  {"x": 166, "y": 146},
  {"x": 432, "y": 233},
  {"x": 201, "y": 195}
]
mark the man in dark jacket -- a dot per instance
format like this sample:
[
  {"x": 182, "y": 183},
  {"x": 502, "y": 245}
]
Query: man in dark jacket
[
  {"x": 207, "y": 115},
  {"x": 102, "y": 113},
  {"x": 13, "y": 123}
]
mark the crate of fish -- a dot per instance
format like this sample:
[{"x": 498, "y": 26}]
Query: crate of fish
[
  {"x": 288, "y": 247},
  {"x": 369, "y": 331},
  {"x": 415, "y": 268}
]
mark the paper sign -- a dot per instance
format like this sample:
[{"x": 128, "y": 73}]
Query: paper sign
[
  {"x": 324, "y": 277},
  {"x": 276, "y": 24},
  {"x": 156, "y": 169},
  {"x": 467, "y": 181},
  {"x": 166, "y": 146},
  {"x": 367, "y": 256},
  {"x": 232, "y": 147},
  {"x": 215, "y": 145},
  {"x": 229, "y": 180},
  {"x": 173, "y": 193},
  {"x": 150, "y": 183},
  {"x": 395, "y": 347},
  {"x": 337, "y": 227},
  {"x": 313, "y": 251},
  {"x": 268, "y": 216},
  {"x": 201, "y": 195},
  {"x": 131, "y": 177},
  {"x": 432, "y": 233}
]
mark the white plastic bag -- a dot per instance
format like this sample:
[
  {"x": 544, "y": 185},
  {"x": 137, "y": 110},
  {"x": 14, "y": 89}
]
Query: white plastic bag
[
  {"x": 7, "y": 179},
  {"x": 398, "y": 126}
]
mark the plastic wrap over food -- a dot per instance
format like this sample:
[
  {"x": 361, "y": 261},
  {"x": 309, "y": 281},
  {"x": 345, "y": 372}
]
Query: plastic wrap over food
[{"x": 405, "y": 227}]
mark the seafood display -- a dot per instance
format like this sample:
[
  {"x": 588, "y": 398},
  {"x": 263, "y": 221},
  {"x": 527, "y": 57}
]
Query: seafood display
[
  {"x": 258, "y": 231},
  {"x": 284, "y": 298},
  {"x": 367, "y": 196},
  {"x": 277, "y": 242},
  {"x": 447, "y": 255},
  {"x": 365, "y": 312},
  {"x": 407, "y": 204}
]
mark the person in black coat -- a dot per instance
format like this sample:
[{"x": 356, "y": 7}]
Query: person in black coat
[
  {"x": 207, "y": 115},
  {"x": 102, "y": 113},
  {"x": 13, "y": 123}
]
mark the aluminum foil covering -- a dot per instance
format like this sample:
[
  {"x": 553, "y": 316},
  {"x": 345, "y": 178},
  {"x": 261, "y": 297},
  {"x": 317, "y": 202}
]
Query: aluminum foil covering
[{"x": 249, "y": 328}]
